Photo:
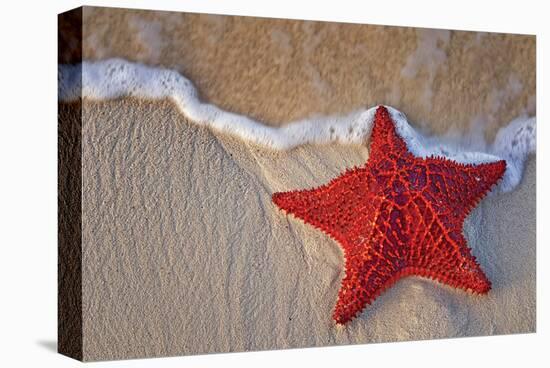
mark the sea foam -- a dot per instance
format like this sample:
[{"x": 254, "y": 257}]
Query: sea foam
[{"x": 114, "y": 78}]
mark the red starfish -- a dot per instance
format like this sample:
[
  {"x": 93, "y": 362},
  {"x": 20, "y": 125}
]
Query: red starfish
[{"x": 397, "y": 215}]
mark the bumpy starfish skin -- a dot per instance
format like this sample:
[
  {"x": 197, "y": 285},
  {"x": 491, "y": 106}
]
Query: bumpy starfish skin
[{"x": 395, "y": 216}]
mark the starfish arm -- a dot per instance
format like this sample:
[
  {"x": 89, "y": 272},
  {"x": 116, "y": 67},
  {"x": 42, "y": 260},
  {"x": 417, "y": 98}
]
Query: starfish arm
[
  {"x": 366, "y": 278},
  {"x": 453, "y": 264},
  {"x": 437, "y": 248},
  {"x": 462, "y": 186},
  {"x": 385, "y": 142},
  {"x": 331, "y": 206},
  {"x": 482, "y": 178}
]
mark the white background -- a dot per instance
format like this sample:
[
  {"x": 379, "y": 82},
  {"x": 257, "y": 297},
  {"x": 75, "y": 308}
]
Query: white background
[{"x": 28, "y": 182}]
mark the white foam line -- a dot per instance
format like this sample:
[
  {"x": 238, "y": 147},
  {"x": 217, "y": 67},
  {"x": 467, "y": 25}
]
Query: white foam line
[{"x": 114, "y": 78}]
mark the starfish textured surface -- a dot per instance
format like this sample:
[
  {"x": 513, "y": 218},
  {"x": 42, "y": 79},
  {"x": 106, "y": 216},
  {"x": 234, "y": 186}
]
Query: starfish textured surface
[{"x": 395, "y": 216}]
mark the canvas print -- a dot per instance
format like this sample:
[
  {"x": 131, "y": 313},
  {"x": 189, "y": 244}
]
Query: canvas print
[{"x": 231, "y": 183}]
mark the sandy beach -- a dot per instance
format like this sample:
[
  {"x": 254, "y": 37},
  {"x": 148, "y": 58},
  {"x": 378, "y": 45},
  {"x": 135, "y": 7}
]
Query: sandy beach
[{"x": 184, "y": 252}]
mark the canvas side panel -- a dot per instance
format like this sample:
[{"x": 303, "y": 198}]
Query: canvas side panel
[{"x": 69, "y": 324}]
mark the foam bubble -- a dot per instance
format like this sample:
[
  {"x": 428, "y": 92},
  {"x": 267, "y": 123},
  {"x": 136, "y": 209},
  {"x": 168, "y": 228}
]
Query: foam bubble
[{"x": 114, "y": 78}]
